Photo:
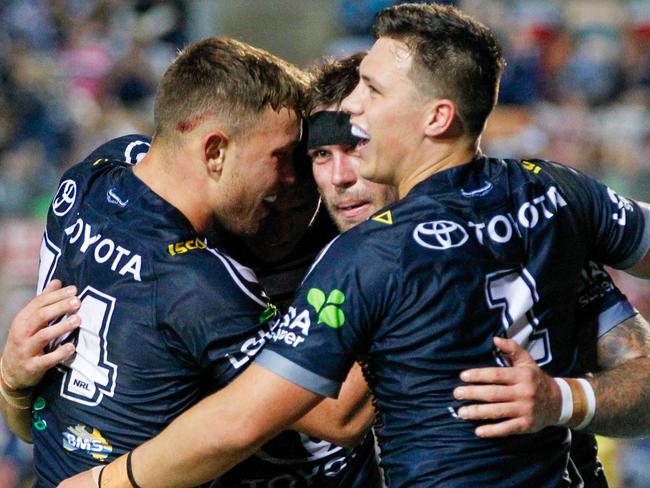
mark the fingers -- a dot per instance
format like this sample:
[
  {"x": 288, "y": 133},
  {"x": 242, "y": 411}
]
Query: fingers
[
  {"x": 516, "y": 354},
  {"x": 60, "y": 354},
  {"x": 491, "y": 411},
  {"x": 497, "y": 376},
  {"x": 502, "y": 429},
  {"x": 52, "y": 285},
  {"x": 49, "y": 297},
  {"x": 491, "y": 393},
  {"x": 44, "y": 336},
  {"x": 45, "y": 308}
]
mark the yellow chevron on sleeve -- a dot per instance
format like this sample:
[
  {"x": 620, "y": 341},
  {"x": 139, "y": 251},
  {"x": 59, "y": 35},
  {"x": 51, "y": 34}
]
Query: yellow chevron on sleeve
[{"x": 384, "y": 217}]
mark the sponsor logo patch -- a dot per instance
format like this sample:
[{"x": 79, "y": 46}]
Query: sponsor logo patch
[
  {"x": 440, "y": 234},
  {"x": 88, "y": 440},
  {"x": 183, "y": 247},
  {"x": 113, "y": 198},
  {"x": 64, "y": 198},
  {"x": 328, "y": 310}
]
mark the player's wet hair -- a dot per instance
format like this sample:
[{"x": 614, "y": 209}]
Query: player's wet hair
[
  {"x": 228, "y": 79},
  {"x": 455, "y": 57},
  {"x": 332, "y": 81}
]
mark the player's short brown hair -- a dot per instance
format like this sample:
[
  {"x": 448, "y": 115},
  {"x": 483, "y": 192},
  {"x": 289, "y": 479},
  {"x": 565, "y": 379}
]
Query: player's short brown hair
[
  {"x": 332, "y": 81},
  {"x": 455, "y": 57},
  {"x": 228, "y": 79}
]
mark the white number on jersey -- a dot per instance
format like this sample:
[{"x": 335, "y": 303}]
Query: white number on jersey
[
  {"x": 91, "y": 375},
  {"x": 514, "y": 292}
]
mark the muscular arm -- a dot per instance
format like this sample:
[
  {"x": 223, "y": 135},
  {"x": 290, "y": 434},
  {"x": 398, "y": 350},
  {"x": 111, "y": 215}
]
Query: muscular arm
[
  {"x": 525, "y": 399},
  {"x": 15, "y": 408},
  {"x": 622, "y": 388},
  {"x": 214, "y": 435},
  {"x": 344, "y": 420}
]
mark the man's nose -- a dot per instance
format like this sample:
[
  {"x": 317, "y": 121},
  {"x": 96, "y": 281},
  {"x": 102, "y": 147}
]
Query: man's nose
[
  {"x": 343, "y": 173},
  {"x": 351, "y": 103}
]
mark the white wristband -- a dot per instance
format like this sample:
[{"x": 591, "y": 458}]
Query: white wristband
[
  {"x": 591, "y": 402},
  {"x": 567, "y": 401}
]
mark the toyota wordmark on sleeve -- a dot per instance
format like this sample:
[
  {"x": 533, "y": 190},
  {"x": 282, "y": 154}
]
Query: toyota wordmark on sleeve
[{"x": 440, "y": 234}]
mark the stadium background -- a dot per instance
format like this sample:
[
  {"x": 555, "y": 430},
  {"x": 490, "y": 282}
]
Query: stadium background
[{"x": 74, "y": 73}]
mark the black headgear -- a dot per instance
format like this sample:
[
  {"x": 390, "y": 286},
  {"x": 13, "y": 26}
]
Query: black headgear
[{"x": 328, "y": 128}]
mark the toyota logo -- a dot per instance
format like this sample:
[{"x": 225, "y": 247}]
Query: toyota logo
[
  {"x": 441, "y": 234},
  {"x": 64, "y": 198}
]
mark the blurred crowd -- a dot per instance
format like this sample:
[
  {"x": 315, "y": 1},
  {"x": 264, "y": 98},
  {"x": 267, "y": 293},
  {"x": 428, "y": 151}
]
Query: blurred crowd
[{"x": 74, "y": 73}]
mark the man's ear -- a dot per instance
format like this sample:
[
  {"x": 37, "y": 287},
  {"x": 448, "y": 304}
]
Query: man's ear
[
  {"x": 440, "y": 118},
  {"x": 214, "y": 151}
]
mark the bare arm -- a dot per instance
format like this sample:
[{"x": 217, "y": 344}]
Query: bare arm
[
  {"x": 622, "y": 388},
  {"x": 344, "y": 420},
  {"x": 526, "y": 399},
  {"x": 214, "y": 435},
  {"x": 24, "y": 360}
]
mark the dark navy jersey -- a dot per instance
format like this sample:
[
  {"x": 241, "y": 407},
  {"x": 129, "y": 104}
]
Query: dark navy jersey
[
  {"x": 293, "y": 459},
  {"x": 166, "y": 319},
  {"x": 493, "y": 247}
]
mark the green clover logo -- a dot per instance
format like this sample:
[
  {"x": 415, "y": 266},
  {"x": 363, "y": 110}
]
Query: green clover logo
[{"x": 328, "y": 311}]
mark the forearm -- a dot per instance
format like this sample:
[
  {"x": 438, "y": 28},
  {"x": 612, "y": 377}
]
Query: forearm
[
  {"x": 215, "y": 434},
  {"x": 186, "y": 453},
  {"x": 17, "y": 419},
  {"x": 345, "y": 420},
  {"x": 622, "y": 400},
  {"x": 15, "y": 405},
  {"x": 622, "y": 387}
]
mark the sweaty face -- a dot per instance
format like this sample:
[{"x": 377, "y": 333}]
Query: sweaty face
[
  {"x": 386, "y": 110},
  {"x": 349, "y": 198},
  {"x": 257, "y": 167}
]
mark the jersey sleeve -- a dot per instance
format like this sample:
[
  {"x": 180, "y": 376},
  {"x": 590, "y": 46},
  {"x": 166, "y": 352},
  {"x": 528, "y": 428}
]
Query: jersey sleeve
[
  {"x": 601, "y": 305},
  {"x": 216, "y": 325},
  {"x": 601, "y": 308},
  {"x": 617, "y": 228},
  {"x": 336, "y": 309}
]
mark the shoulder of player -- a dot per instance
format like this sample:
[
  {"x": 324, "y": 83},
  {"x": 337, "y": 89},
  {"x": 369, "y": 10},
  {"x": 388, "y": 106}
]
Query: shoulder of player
[
  {"x": 191, "y": 266},
  {"x": 121, "y": 151},
  {"x": 128, "y": 149}
]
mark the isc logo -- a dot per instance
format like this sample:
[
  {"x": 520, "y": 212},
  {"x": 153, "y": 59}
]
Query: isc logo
[{"x": 183, "y": 247}]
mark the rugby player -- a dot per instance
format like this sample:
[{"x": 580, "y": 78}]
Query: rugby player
[
  {"x": 476, "y": 250},
  {"x": 351, "y": 199},
  {"x": 167, "y": 316}
]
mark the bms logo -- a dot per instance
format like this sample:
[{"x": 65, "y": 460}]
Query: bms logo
[
  {"x": 440, "y": 234},
  {"x": 88, "y": 440}
]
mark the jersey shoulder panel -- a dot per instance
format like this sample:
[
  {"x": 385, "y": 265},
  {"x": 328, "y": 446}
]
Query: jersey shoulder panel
[
  {"x": 130, "y": 149},
  {"x": 211, "y": 307}
]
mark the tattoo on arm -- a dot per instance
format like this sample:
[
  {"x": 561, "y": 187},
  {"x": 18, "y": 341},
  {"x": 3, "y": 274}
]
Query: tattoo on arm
[
  {"x": 629, "y": 340},
  {"x": 623, "y": 386}
]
